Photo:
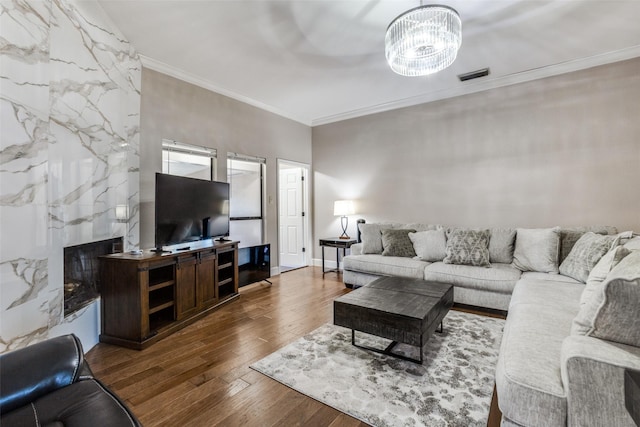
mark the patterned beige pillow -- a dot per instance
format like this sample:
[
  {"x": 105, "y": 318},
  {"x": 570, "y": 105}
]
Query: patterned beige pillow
[
  {"x": 467, "y": 247},
  {"x": 585, "y": 254},
  {"x": 397, "y": 243}
]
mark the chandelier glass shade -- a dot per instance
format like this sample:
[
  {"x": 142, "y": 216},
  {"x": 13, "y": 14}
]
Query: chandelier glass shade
[{"x": 423, "y": 40}]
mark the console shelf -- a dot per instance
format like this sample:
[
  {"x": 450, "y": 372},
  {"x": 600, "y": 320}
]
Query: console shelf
[{"x": 147, "y": 297}]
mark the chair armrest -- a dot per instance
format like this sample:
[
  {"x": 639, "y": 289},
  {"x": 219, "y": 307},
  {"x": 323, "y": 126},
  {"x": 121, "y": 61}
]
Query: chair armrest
[
  {"x": 356, "y": 249},
  {"x": 38, "y": 369},
  {"x": 593, "y": 377}
]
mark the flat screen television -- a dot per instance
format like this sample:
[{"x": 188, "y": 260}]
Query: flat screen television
[{"x": 190, "y": 209}]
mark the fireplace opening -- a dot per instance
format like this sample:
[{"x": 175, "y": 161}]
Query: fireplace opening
[{"x": 82, "y": 272}]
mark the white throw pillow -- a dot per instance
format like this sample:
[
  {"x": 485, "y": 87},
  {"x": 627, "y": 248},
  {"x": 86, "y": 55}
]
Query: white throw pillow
[
  {"x": 429, "y": 245},
  {"x": 537, "y": 249}
]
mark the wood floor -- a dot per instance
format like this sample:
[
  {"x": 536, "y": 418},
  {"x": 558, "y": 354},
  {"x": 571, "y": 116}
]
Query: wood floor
[{"x": 200, "y": 376}]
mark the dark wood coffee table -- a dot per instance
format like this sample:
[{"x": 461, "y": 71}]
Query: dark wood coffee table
[{"x": 397, "y": 308}]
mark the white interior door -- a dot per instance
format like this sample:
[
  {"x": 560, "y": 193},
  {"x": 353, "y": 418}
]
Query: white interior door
[{"x": 291, "y": 216}]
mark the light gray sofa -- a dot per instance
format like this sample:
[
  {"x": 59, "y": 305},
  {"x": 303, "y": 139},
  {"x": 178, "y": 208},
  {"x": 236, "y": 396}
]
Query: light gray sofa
[
  {"x": 566, "y": 344},
  {"x": 476, "y": 286}
]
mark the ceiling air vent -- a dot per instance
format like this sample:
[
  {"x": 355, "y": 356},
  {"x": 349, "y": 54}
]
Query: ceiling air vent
[{"x": 474, "y": 75}]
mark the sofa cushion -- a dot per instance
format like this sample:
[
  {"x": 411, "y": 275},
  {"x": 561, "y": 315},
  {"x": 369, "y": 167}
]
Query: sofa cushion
[
  {"x": 397, "y": 243},
  {"x": 537, "y": 249},
  {"x": 562, "y": 294},
  {"x": 499, "y": 278},
  {"x": 385, "y": 265},
  {"x": 82, "y": 403},
  {"x": 528, "y": 373},
  {"x": 610, "y": 312},
  {"x": 528, "y": 379},
  {"x": 429, "y": 245},
  {"x": 467, "y": 247},
  {"x": 371, "y": 236},
  {"x": 550, "y": 277},
  {"x": 501, "y": 245},
  {"x": 601, "y": 270},
  {"x": 585, "y": 255}
]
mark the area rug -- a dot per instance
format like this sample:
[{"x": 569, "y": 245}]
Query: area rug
[{"x": 452, "y": 388}]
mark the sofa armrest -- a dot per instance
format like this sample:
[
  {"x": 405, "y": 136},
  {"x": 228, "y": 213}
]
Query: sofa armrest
[
  {"x": 593, "y": 377},
  {"x": 356, "y": 249},
  {"x": 39, "y": 369}
]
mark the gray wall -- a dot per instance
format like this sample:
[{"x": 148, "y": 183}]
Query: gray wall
[
  {"x": 564, "y": 150},
  {"x": 174, "y": 109}
]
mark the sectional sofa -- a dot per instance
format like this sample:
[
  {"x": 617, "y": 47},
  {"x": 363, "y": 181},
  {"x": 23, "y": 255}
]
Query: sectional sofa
[{"x": 573, "y": 301}]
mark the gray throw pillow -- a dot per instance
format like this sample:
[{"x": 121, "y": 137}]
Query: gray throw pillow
[
  {"x": 599, "y": 273},
  {"x": 429, "y": 245},
  {"x": 537, "y": 250},
  {"x": 568, "y": 239},
  {"x": 467, "y": 247},
  {"x": 611, "y": 312},
  {"x": 585, "y": 255},
  {"x": 397, "y": 243},
  {"x": 570, "y": 235},
  {"x": 371, "y": 236},
  {"x": 501, "y": 245}
]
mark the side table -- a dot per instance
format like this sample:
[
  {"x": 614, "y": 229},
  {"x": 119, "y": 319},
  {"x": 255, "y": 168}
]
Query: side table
[{"x": 334, "y": 242}]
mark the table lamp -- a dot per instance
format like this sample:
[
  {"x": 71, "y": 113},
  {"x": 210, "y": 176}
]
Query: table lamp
[{"x": 342, "y": 208}]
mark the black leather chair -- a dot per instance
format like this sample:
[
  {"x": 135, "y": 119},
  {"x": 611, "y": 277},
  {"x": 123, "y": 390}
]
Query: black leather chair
[{"x": 51, "y": 384}]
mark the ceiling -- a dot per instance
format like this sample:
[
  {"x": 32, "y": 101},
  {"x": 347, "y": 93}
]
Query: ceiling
[{"x": 320, "y": 61}]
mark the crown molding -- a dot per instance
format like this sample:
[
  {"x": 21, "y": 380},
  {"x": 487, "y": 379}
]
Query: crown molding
[
  {"x": 480, "y": 85},
  {"x": 464, "y": 88},
  {"x": 185, "y": 76}
]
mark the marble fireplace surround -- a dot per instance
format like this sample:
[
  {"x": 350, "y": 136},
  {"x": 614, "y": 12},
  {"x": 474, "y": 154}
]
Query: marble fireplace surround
[{"x": 69, "y": 157}]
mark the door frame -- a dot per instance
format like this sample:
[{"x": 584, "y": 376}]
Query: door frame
[{"x": 306, "y": 221}]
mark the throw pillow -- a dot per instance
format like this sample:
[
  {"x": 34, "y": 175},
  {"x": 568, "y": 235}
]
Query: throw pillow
[
  {"x": 467, "y": 247},
  {"x": 611, "y": 312},
  {"x": 633, "y": 244},
  {"x": 371, "y": 236},
  {"x": 397, "y": 243},
  {"x": 600, "y": 271},
  {"x": 429, "y": 245},
  {"x": 537, "y": 249},
  {"x": 569, "y": 236},
  {"x": 568, "y": 239},
  {"x": 585, "y": 255},
  {"x": 501, "y": 244}
]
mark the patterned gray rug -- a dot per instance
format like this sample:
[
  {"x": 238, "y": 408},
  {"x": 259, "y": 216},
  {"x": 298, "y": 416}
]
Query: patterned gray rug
[{"x": 452, "y": 388}]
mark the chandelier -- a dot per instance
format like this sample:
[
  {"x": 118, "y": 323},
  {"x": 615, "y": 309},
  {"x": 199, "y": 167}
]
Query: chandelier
[{"x": 423, "y": 40}]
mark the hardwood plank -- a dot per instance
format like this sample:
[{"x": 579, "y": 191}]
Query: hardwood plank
[{"x": 200, "y": 375}]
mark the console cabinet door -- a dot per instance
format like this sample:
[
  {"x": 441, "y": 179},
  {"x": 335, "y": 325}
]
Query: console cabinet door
[
  {"x": 207, "y": 279},
  {"x": 186, "y": 282}
]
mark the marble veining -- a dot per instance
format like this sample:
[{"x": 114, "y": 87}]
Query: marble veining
[{"x": 69, "y": 154}]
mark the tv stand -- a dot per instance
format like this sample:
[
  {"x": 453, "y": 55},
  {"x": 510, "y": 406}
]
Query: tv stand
[
  {"x": 222, "y": 239},
  {"x": 150, "y": 296},
  {"x": 159, "y": 250}
]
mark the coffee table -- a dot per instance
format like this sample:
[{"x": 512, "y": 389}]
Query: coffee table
[{"x": 397, "y": 308}]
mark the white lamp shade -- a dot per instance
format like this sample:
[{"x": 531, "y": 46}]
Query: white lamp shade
[{"x": 343, "y": 208}]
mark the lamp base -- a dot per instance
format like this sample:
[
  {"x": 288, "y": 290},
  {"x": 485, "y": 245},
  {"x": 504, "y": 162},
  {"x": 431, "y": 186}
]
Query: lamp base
[{"x": 344, "y": 222}]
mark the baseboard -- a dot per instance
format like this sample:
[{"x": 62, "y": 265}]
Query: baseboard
[{"x": 328, "y": 264}]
